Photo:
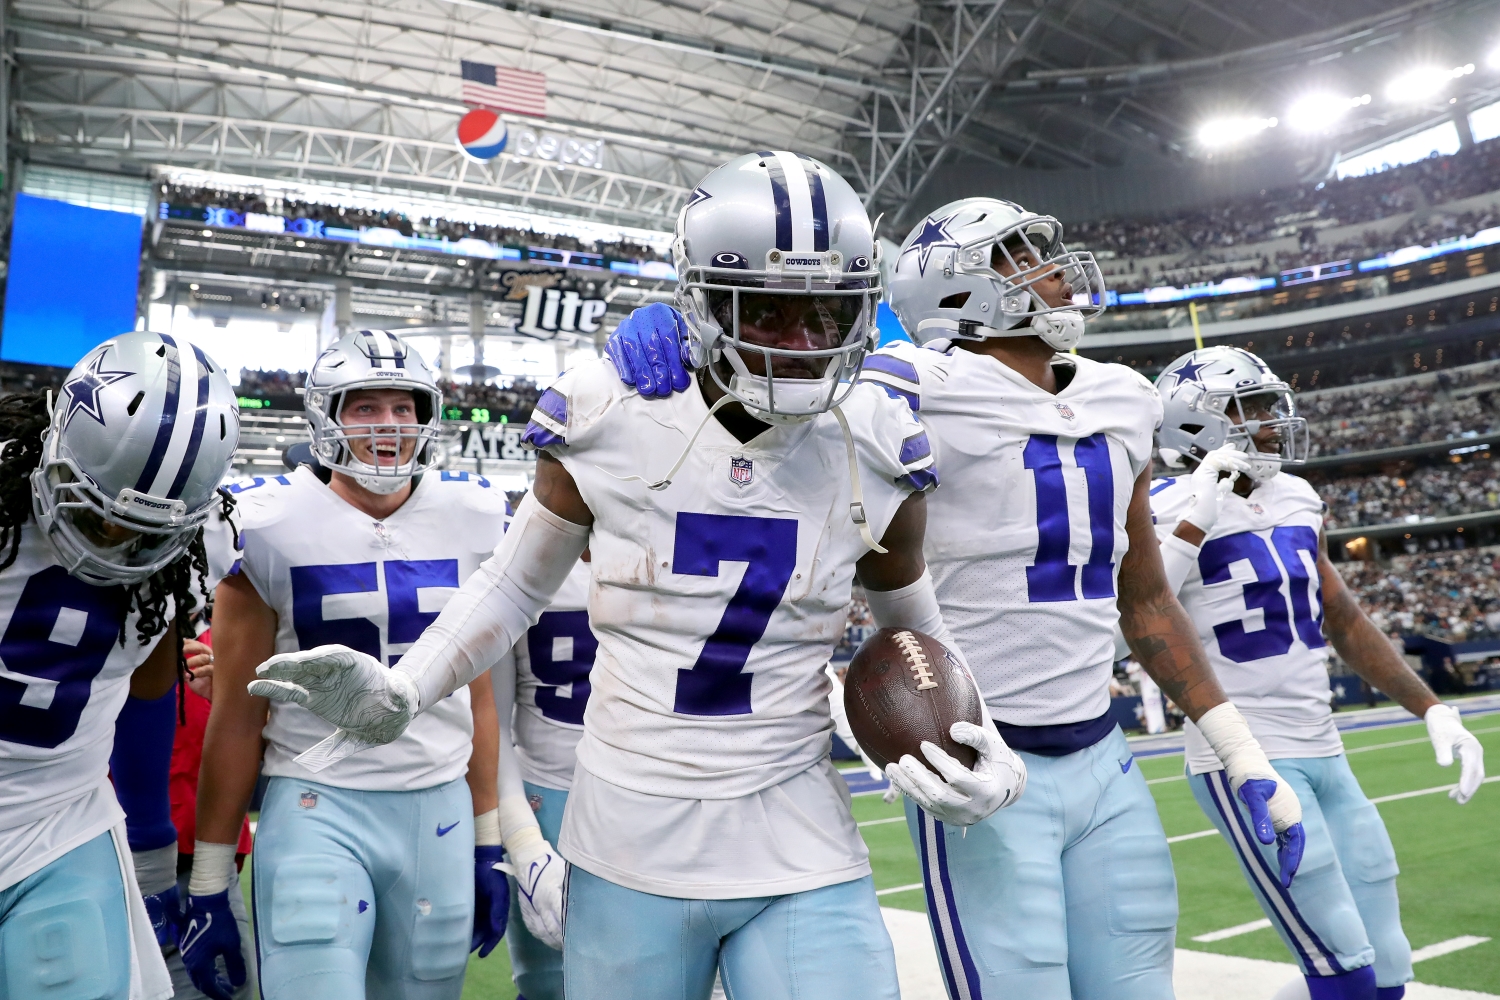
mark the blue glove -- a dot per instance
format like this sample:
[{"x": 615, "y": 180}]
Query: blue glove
[
  {"x": 491, "y": 899},
  {"x": 648, "y": 349},
  {"x": 209, "y": 933},
  {"x": 165, "y": 910},
  {"x": 1289, "y": 843}
]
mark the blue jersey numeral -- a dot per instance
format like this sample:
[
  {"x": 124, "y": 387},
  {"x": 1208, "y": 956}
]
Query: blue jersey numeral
[
  {"x": 1264, "y": 592},
  {"x": 1051, "y": 577},
  {"x": 557, "y": 633},
  {"x": 405, "y": 620},
  {"x": 61, "y": 633},
  {"x": 716, "y": 685}
]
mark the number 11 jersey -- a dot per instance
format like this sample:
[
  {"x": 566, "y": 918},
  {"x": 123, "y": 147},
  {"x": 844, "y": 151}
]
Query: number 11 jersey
[{"x": 1025, "y": 538}]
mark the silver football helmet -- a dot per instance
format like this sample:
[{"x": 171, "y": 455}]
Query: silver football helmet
[
  {"x": 757, "y": 230},
  {"x": 142, "y": 433},
  {"x": 947, "y": 282},
  {"x": 1225, "y": 395},
  {"x": 372, "y": 359}
]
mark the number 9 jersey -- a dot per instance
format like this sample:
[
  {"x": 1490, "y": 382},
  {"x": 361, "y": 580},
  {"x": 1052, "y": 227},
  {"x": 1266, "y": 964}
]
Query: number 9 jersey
[
  {"x": 552, "y": 684},
  {"x": 1255, "y": 598}
]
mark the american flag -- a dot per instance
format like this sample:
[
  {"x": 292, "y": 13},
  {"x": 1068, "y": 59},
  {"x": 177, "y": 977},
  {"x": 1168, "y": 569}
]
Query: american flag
[{"x": 504, "y": 89}]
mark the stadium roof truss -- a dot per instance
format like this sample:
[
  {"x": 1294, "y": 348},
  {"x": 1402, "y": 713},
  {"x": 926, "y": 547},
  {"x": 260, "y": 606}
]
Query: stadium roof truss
[{"x": 366, "y": 92}]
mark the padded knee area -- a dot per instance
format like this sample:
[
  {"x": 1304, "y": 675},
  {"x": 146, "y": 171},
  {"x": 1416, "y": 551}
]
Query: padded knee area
[
  {"x": 60, "y": 952},
  {"x": 314, "y": 900},
  {"x": 1368, "y": 854},
  {"x": 1141, "y": 885}
]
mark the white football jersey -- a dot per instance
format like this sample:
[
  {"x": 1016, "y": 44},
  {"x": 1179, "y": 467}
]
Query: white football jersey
[
  {"x": 1256, "y": 599},
  {"x": 716, "y": 602},
  {"x": 65, "y": 666},
  {"x": 552, "y": 685},
  {"x": 335, "y": 575},
  {"x": 1025, "y": 537}
]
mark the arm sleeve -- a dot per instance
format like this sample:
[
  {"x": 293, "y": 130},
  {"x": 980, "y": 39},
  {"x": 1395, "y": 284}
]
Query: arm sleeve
[
  {"x": 140, "y": 766},
  {"x": 515, "y": 810},
  {"x": 1177, "y": 559},
  {"x": 497, "y": 604}
]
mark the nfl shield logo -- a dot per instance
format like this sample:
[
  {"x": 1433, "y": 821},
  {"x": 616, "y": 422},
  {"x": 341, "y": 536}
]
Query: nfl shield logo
[
  {"x": 741, "y": 471},
  {"x": 1257, "y": 508},
  {"x": 309, "y": 800},
  {"x": 1064, "y": 410}
]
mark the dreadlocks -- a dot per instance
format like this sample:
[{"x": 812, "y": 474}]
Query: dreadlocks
[{"x": 23, "y": 423}]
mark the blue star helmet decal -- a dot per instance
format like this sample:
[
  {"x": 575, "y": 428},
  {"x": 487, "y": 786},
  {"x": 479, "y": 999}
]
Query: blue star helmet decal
[
  {"x": 934, "y": 234},
  {"x": 1189, "y": 370},
  {"x": 83, "y": 391}
]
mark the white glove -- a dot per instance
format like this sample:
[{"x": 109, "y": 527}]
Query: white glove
[
  {"x": 350, "y": 689},
  {"x": 1445, "y": 727},
  {"x": 962, "y": 796},
  {"x": 539, "y": 873},
  {"x": 1209, "y": 490}
]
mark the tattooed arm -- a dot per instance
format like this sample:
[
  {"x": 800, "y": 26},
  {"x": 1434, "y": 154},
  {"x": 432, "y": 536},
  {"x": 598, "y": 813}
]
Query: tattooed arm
[
  {"x": 1368, "y": 652},
  {"x": 1156, "y": 628}
]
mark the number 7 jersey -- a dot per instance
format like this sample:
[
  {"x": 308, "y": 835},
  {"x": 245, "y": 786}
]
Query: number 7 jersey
[
  {"x": 1026, "y": 535},
  {"x": 1255, "y": 597}
]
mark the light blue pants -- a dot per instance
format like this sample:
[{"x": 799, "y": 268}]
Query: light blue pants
[
  {"x": 1341, "y": 912},
  {"x": 536, "y": 967},
  {"x": 363, "y": 893},
  {"x": 64, "y": 932},
  {"x": 1067, "y": 895},
  {"x": 823, "y": 944}
]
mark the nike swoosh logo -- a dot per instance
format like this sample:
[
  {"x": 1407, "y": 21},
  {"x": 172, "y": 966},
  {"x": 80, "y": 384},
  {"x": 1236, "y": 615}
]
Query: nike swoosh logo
[
  {"x": 533, "y": 878},
  {"x": 195, "y": 933},
  {"x": 443, "y": 831},
  {"x": 1126, "y": 766}
]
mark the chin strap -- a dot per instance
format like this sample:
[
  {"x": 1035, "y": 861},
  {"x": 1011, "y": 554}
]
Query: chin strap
[
  {"x": 666, "y": 480},
  {"x": 857, "y": 493}
]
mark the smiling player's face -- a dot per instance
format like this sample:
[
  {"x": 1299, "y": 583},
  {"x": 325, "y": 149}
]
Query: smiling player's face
[{"x": 384, "y": 412}]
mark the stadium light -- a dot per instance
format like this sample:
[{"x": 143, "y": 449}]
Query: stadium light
[
  {"x": 1226, "y": 131},
  {"x": 1317, "y": 112},
  {"x": 1424, "y": 82}
]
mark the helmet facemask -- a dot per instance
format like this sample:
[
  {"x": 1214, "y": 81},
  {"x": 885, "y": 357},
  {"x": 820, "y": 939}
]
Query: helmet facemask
[
  {"x": 336, "y": 441},
  {"x": 720, "y": 303},
  {"x": 1237, "y": 417}
]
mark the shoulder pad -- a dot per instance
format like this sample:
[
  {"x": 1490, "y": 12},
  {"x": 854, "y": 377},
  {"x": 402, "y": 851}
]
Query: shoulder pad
[
  {"x": 574, "y": 404},
  {"x": 897, "y": 368},
  {"x": 893, "y": 441}
]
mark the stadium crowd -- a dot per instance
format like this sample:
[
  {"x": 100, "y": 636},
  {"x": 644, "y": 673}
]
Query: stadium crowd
[
  {"x": 1397, "y": 414},
  {"x": 515, "y": 400},
  {"x": 1441, "y": 491},
  {"x": 1455, "y": 593},
  {"x": 428, "y": 226},
  {"x": 1301, "y": 210}
]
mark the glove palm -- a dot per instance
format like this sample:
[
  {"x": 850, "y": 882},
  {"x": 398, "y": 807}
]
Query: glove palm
[{"x": 962, "y": 796}]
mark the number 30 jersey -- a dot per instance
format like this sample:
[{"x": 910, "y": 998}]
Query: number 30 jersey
[
  {"x": 1256, "y": 599},
  {"x": 1025, "y": 538},
  {"x": 64, "y": 675},
  {"x": 333, "y": 574},
  {"x": 552, "y": 685}
]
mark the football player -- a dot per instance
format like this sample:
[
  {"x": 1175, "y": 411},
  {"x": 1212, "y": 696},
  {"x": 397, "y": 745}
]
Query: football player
[
  {"x": 366, "y": 872},
  {"x": 1040, "y": 541},
  {"x": 103, "y": 492},
  {"x": 1251, "y": 566},
  {"x": 705, "y": 825}
]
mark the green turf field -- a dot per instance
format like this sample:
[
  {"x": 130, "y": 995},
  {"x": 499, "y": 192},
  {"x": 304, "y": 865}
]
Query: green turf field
[{"x": 1450, "y": 870}]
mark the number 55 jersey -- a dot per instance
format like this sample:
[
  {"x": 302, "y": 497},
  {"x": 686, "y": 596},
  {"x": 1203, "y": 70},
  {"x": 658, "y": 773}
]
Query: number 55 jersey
[
  {"x": 1025, "y": 538},
  {"x": 716, "y": 601},
  {"x": 1256, "y": 601},
  {"x": 333, "y": 574}
]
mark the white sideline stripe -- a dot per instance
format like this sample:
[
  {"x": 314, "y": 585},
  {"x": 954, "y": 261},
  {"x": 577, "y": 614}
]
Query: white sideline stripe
[
  {"x": 1445, "y": 947},
  {"x": 1235, "y": 931},
  {"x": 1193, "y": 836},
  {"x": 1347, "y": 751},
  {"x": 878, "y": 822},
  {"x": 918, "y": 885}
]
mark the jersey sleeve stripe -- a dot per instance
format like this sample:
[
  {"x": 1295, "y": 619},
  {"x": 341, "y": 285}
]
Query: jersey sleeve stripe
[
  {"x": 904, "y": 370},
  {"x": 915, "y": 448}
]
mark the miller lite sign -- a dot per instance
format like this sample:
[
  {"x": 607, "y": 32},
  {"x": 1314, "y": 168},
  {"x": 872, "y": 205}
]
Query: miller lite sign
[{"x": 550, "y": 310}]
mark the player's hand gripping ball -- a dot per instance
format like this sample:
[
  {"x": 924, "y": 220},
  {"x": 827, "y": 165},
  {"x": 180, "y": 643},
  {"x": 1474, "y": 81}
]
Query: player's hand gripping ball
[{"x": 905, "y": 688}]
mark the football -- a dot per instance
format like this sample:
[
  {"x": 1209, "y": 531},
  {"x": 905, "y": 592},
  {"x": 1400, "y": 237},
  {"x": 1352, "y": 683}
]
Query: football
[{"x": 904, "y": 687}]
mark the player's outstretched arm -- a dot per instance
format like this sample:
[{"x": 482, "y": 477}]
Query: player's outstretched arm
[
  {"x": 373, "y": 705},
  {"x": 1370, "y": 654},
  {"x": 1163, "y": 640},
  {"x": 900, "y": 593},
  {"x": 533, "y": 862},
  {"x": 491, "y": 891},
  {"x": 244, "y": 635}
]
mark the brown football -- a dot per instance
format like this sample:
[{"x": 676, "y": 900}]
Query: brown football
[{"x": 904, "y": 687}]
